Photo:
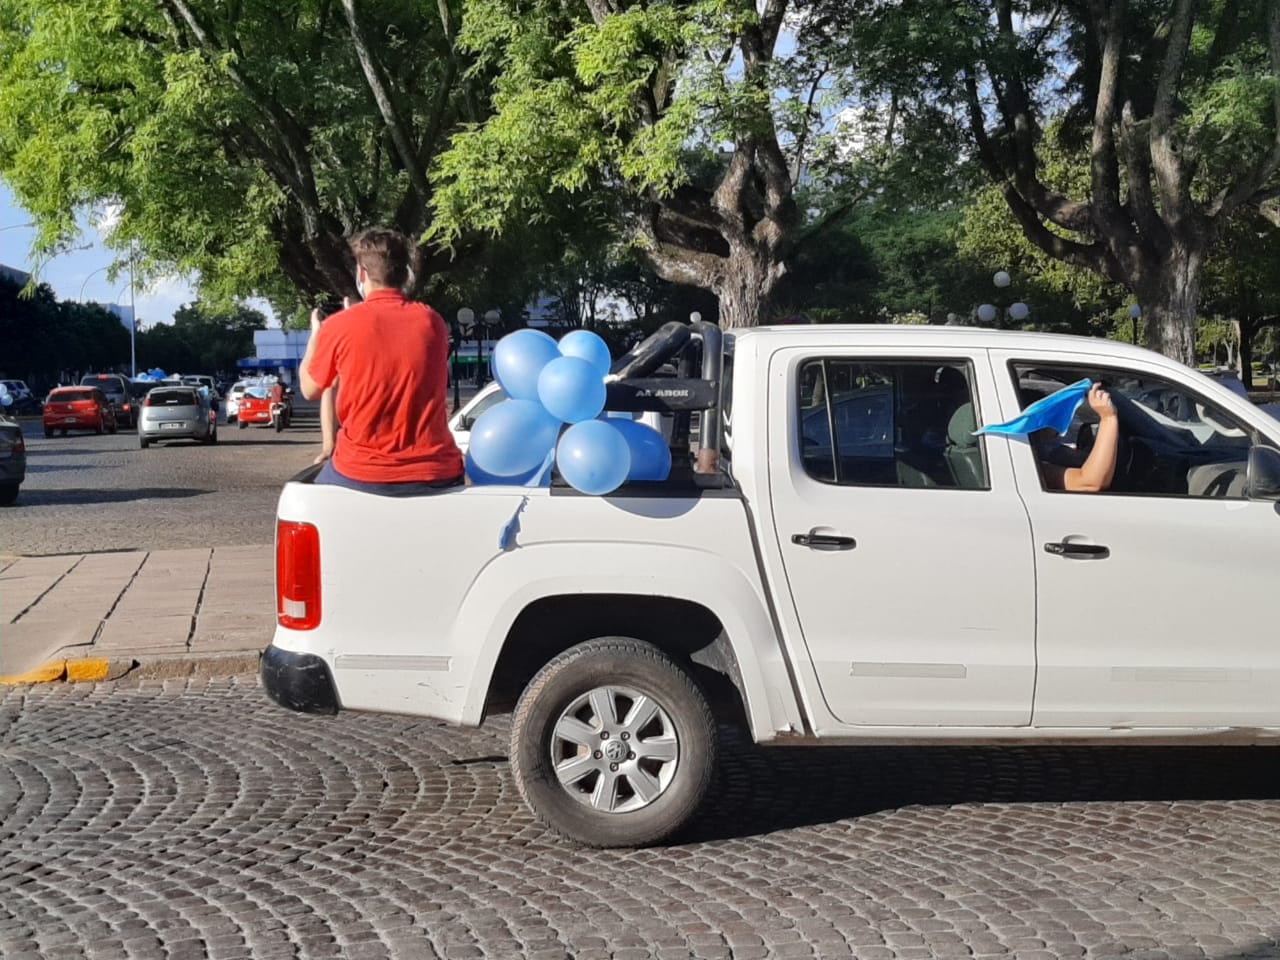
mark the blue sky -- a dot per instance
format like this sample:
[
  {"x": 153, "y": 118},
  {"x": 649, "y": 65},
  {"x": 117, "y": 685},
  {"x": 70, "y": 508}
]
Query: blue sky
[{"x": 86, "y": 269}]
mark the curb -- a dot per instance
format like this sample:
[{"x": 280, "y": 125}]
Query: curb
[{"x": 95, "y": 669}]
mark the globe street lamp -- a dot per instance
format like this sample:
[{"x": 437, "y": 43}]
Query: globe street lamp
[
  {"x": 466, "y": 323},
  {"x": 491, "y": 320}
]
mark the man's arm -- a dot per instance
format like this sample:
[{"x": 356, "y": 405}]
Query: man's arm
[
  {"x": 1100, "y": 467},
  {"x": 328, "y": 423},
  {"x": 310, "y": 388}
]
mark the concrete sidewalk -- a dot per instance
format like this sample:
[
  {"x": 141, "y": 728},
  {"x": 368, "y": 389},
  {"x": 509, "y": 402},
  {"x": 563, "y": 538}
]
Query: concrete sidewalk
[{"x": 96, "y": 616}]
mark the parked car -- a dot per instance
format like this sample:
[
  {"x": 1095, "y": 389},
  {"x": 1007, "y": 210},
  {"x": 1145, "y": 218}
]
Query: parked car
[
  {"x": 234, "y": 394},
  {"x": 78, "y": 408},
  {"x": 176, "y": 413},
  {"x": 806, "y": 593},
  {"x": 24, "y": 401},
  {"x": 13, "y": 459},
  {"x": 116, "y": 388}
]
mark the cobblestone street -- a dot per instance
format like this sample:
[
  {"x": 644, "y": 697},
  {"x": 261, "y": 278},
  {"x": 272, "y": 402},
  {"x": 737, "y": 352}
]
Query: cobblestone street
[{"x": 193, "y": 818}]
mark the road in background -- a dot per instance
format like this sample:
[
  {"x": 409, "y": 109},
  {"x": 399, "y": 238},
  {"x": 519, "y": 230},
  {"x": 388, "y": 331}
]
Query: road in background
[{"x": 86, "y": 493}]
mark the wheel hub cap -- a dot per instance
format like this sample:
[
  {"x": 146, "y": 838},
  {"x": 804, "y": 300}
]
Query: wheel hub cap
[{"x": 614, "y": 749}]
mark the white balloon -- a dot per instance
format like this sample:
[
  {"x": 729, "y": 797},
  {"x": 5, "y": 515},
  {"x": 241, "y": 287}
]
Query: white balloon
[
  {"x": 1019, "y": 311},
  {"x": 986, "y": 313},
  {"x": 1002, "y": 279}
]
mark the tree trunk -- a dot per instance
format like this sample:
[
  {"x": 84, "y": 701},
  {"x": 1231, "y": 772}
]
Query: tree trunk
[
  {"x": 1169, "y": 303},
  {"x": 745, "y": 288},
  {"x": 1245, "y": 330}
]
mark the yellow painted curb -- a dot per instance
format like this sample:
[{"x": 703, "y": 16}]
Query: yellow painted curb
[
  {"x": 55, "y": 670},
  {"x": 88, "y": 669}
]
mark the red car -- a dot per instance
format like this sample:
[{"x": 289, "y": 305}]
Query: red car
[{"x": 78, "y": 408}]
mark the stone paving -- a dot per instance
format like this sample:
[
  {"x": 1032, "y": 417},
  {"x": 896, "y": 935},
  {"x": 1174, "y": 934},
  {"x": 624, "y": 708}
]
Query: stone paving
[
  {"x": 192, "y": 603},
  {"x": 194, "y": 818}
]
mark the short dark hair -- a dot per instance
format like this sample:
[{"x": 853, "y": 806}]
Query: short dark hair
[{"x": 386, "y": 255}]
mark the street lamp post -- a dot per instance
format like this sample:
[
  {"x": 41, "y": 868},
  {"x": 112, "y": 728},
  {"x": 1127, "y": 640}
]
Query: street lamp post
[
  {"x": 1135, "y": 312},
  {"x": 466, "y": 323},
  {"x": 491, "y": 320},
  {"x": 133, "y": 321}
]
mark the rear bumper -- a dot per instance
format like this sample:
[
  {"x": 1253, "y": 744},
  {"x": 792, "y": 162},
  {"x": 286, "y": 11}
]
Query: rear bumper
[{"x": 298, "y": 681}]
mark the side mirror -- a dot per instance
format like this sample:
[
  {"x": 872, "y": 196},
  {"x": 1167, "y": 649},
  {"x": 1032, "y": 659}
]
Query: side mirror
[{"x": 1262, "y": 477}]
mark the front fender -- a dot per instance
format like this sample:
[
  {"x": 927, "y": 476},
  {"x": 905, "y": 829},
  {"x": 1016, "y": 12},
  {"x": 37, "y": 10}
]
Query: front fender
[{"x": 584, "y": 568}]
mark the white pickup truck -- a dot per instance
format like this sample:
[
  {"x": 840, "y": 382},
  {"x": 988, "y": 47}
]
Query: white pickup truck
[{"x": 844, "y": 561}]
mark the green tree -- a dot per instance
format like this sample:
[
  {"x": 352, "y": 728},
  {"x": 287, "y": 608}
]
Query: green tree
[
  {"x": 242, "y": 141},
  {"x": 682, "y": 122},
  {"x": 1172, "y": 108}
]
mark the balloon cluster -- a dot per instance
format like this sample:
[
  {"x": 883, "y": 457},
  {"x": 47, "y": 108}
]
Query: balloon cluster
[
  {"x": 549, "y": 385},
  {"x": 155, "y": 373},
  {"x": 6, "y": 398}
]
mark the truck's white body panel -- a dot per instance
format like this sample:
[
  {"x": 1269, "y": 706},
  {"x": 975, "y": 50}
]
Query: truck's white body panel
[{"x": 948, "y": 620}]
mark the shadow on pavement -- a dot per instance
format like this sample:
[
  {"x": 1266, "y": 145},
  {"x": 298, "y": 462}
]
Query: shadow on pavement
[
  {"x": 761, "y": 789},
  {"x": 251, "y": 441},
  {"x": 80, "y": 495}
]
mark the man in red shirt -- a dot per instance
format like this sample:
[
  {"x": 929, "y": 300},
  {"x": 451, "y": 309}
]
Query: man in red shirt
[{"x": 390, "y": 355}]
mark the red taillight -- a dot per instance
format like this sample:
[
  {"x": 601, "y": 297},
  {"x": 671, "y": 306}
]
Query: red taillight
[
  {"x": 297, "y": 575},
  {"x": 20, "y": 445},
  {"x": 146, "y": 401}
]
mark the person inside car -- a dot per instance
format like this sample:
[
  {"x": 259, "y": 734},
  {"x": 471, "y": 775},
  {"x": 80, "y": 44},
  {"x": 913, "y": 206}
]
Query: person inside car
[
  {"x": 1065, "y": 467},
  {"x": 391, "y": 356}
]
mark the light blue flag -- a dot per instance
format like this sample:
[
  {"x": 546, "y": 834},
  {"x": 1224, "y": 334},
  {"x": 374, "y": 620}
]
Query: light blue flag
[{"x": 1055, "y": 410}]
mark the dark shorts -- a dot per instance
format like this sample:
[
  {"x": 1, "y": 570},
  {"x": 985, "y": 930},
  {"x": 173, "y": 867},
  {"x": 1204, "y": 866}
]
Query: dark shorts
[{"x": 411, "y": 488}]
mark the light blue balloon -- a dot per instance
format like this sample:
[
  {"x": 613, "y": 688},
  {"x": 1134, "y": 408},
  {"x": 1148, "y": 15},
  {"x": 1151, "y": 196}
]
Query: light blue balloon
[
  {"x": 587, "y": 346},
  {"x": 593, "y": 457},
  {"x": 518, "y": 358},
  {"x": 650, "y": 455},
  {"x": 481, "y": 478},
  {"x": 513, "y": 438},
  {"x": 571, "y": 390}
]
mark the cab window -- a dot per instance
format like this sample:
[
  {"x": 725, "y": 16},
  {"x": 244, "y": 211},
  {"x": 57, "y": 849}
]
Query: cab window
[
  {"x": 890, "y": 423},
  {"x": 1173, "y": 441}
]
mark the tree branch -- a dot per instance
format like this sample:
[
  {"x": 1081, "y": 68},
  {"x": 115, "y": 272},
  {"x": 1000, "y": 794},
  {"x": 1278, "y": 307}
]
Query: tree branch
[
  {"x": 673, "y": 263},
  {"x": 401, "y": 134},
  {"x": 1137, "y": 162},
  {"x": 1104, "y": 165},
  {"x": 1169, "y": 172}
]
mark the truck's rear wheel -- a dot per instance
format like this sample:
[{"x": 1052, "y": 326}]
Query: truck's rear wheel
[{"x": 613, "y": 744}]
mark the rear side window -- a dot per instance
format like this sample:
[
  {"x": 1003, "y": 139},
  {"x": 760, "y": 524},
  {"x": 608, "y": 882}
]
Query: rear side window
[
  {"x": 890, "y": 423},
  {"x": 67, "y": 396},
  {"x": 173, "y": 398}
]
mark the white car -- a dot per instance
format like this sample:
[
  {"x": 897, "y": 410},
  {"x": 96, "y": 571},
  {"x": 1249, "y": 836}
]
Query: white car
[
  {"x": 491, "y": 394},
  {"x": 233, "y": 399},
  {"x": 846, "y": 561}
]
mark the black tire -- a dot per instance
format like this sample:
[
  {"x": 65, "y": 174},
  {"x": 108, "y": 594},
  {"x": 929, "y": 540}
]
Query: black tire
[
  {"x": 620, "y": 663},
  {"x": 242, "y": 424},
  {"x": 113, "y": 428},
  {"x": 143, "y": 442},
  {"x": 48, "y": 432},
  {"x": 8, "y": 494},
  {"x": 62, "y": 433}
]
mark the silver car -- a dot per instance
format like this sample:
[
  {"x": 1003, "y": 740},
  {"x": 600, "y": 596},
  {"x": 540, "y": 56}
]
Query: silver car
[{"x": 176, "y": 413}]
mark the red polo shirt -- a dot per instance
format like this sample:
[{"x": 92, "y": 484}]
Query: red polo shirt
[{"x": 391, "y": 357}]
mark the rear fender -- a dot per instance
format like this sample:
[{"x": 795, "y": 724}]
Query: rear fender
[{"x": 538, "y": 571}]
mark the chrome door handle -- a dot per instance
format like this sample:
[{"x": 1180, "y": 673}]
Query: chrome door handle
[
  {"x": 1066, "y": 548},
  {"x": 823, "y": 541}
]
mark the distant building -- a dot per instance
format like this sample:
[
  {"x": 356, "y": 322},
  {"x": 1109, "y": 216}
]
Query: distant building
[
  {"x": 276, "y": 351},
  {"x": 14, "y": 275}
]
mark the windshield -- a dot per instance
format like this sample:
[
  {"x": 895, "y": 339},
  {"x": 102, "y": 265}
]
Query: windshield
[{"x": 172, "y": 398}]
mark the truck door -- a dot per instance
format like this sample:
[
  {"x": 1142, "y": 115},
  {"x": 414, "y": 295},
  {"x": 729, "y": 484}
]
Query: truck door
[{"x": 906, "y": 549}]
